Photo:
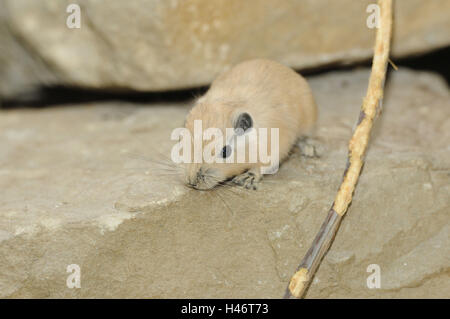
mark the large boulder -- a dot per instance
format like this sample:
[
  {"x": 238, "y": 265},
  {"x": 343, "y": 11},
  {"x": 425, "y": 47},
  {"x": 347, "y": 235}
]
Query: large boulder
[
  {"x": 91, "y": 185},
  {"x": 161, "y": 45}
]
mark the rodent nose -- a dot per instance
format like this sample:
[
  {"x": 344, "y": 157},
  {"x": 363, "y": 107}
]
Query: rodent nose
[
  {"x": 195, "y": 178},
  {"x": 192, "y": 182},
  {"x": 191, "y": 176}
]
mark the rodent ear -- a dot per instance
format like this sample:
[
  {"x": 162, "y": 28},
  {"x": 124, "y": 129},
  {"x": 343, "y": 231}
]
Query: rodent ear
[{"x": 244, "y": 122}]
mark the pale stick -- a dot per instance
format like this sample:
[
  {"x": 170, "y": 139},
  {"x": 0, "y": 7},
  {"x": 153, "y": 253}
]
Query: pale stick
[{"x": 356, "y": 149}]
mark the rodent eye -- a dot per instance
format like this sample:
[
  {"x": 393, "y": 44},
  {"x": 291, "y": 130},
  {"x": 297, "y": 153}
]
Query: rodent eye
[
  {"x": 243, "y": 123},
  {"x": 226, "y": 151}
]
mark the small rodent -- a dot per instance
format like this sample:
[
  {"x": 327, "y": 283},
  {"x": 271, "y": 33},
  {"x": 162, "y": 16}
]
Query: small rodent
[{"x": 258, "y": 93}]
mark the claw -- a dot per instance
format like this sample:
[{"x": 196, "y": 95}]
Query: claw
[{"x": 248, "y": 180}]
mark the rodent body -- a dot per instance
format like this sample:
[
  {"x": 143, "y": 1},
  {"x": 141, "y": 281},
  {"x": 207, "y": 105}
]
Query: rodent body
[{"x": 257, "y": 93}]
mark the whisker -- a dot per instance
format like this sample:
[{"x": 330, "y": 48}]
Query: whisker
[
  {"x": 224, "y": 202},
  {"x": 165, "y": 163},
  {"x": 230, "y": 188},
  {"x": 229, "y": 192},
  {"x": 166, "y": 174}
]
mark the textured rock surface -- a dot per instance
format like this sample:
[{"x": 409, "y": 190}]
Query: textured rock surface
[
  {"x": 80, "y": 185},
  {"x": 155, "y": 45}
]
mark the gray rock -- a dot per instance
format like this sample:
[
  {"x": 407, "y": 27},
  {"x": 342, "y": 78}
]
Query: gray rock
[
  {"x": 161, "y": 45},
  {"x": 91, "y": 185}
]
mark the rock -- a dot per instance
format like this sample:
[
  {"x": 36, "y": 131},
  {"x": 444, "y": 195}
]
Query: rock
[
  {"x": 91, "y": 185},
  {"x": 20, "y": 68},
  {"x": 180, "y": 44}
]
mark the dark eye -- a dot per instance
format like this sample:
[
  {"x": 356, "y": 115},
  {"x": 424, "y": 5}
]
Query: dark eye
[
  {"x": 243, "y": 123},
  {"x": 226, "y": 151}
]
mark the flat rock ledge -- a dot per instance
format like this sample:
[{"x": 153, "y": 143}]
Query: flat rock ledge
[{"x": 91, "y": 185}]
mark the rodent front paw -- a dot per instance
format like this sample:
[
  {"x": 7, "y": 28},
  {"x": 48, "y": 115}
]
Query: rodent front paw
[
  {"x": 310, "y": 147},
  {"x": 248, "y": 180}
]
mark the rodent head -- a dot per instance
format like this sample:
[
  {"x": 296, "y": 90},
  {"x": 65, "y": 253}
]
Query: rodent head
[{"x": 228, "y": 121}]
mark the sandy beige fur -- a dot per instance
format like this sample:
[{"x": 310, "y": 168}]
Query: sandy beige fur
[{"x": 274, "y": 95}]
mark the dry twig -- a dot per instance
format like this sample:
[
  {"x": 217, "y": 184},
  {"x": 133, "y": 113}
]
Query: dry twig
[{"x": 356, "y": 149}]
